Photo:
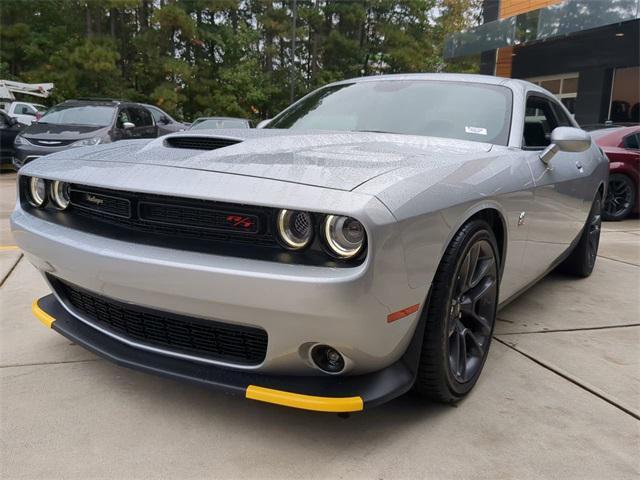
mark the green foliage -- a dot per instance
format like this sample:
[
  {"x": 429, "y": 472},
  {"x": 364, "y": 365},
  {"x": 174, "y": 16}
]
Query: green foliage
[{"x": 221, "y": 57}]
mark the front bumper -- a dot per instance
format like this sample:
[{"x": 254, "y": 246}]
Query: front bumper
[
  {"x": 24, "y": 154},
  {"x": 297, "y": 305},
  {"x": 325, "y": 394}
]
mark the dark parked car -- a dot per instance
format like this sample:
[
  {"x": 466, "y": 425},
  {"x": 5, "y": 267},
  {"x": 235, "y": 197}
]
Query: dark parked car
[
  {"x": 215, "y": 123},
  {"x": 622, "y": 146},
  {"x": 9, "y": 129},
  {"x": 166, "y": 123},
  {"x": 78, "y": 123}
]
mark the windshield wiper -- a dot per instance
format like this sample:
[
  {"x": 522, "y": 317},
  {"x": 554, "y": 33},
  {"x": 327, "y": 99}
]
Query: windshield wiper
[{"x": 374, "y": 131}]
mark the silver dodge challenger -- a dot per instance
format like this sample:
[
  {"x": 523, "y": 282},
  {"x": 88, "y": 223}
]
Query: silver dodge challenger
[{"x": 357, "y": 247}]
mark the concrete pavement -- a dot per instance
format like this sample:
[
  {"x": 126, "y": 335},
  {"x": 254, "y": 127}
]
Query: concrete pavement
[{"x": 559, "y": 398}]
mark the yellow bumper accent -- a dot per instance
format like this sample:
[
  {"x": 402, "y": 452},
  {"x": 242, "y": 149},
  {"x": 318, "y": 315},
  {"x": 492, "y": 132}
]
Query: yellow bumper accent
[
  {"x": 41, "y": 315},
  {"x": 305, "y": 402}
]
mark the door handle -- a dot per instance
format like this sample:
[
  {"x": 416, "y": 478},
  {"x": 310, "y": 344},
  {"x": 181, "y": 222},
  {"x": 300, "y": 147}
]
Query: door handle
[{"x": 579, "y": 165}]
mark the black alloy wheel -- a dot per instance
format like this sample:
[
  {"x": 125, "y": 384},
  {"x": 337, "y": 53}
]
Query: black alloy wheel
[
  {"x": 460, "y": 314},
  {"x": 620, "y": 197},
  {"x": 471, "y": 312},
  {"x": 582, "y": 259}
]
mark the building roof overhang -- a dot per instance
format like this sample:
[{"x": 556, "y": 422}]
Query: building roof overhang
[{"x": 558, "y": 20}]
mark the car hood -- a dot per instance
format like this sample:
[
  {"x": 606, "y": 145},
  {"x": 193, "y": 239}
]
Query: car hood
[
  {"x": 329, "y": 159},
  {"x": 54, "y": 131}
]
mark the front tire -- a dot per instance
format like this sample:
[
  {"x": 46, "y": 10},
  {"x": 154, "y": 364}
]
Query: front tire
[
  {"x": 460, "y": 315},
  {"x": 583, "y": 257}
]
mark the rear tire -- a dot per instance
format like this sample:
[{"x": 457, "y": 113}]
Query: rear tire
[
  {"x": 583, "y": 257},
  {"x": 621, "y": 198},
  {"x": 460, "y": 315}
]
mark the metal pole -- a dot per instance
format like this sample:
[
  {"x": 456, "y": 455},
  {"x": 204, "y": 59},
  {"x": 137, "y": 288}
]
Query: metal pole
[{"x": 293, "y": 51}]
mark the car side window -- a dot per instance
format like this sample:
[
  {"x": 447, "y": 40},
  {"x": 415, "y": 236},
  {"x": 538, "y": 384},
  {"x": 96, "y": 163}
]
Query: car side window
[
  {"x": 563, "y": 119},
  {"x": 539, "y": 122},
  {"x": 157, "y": 114},
  {"x": 123, "y": 117},
  {"x": 632, "y": 141},
  {"x": 23, "y": 109},
  {"x": 141, "y": 117}
]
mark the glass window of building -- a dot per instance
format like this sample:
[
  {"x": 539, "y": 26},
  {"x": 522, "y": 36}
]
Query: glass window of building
[
  {"x": 564, "y": 87},
  {"x": 625, "y": 96}
]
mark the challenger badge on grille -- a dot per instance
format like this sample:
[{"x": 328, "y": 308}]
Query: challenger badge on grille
[{"x": 108, "y": 204}]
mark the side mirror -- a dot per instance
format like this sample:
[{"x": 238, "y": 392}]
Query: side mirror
[
  {"x": 13, "y": 121},
  {"x": 128, "y": 125},
  {"x": 566, "y": 139},
  {"x": 165, "y": 120}
]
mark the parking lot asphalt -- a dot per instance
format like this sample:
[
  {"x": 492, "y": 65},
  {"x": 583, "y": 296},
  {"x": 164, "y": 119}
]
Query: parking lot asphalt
[{"x": 559, "y": 398}]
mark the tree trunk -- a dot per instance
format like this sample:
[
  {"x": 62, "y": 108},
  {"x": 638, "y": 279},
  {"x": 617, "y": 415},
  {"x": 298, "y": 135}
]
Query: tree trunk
[
  {"x": 88, "y": 20},
  {"x": 112, "y": 22}
]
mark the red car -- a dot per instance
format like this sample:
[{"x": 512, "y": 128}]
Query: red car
[{"x": 622, "y": 146}]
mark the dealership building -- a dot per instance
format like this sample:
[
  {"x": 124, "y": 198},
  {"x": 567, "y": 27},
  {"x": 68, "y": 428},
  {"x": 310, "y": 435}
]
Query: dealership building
[{"x": 586, "y": 52}]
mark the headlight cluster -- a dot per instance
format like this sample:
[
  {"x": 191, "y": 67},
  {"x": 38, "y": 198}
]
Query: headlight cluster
[
  {"x": 20, "y": 140},
  {"x": 39, "y": 191},
  {"x": 87, "y": 142},
  {"x": 343, "y": 237}
]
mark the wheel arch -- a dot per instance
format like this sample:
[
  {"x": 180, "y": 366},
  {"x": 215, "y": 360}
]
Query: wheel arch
[
  {"x": 495, "y": 217},
  {"x": 497, "y": 223}
]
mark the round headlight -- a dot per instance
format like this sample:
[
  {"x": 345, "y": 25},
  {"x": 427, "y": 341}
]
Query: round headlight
[
  {"x": 37, "y": 191},
  {"x": 344, "y": 235},
  {"x": 60, "y": 194},
  {"x": 295, "y": 228}
]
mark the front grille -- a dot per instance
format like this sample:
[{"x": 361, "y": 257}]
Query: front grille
[
  {"x": 197, "y": 217},
  {"x": 185, "y": 224},
  {"x": 200, "y": 143},
  {"x": 207, "y": 339},
  {"x": 174, "y": 218},
  {"x": 50, "y": 143}
]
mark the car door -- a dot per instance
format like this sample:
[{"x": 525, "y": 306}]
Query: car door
[
  {"x": 558, "y": 212},
  {"x": 8, "y": 131}
]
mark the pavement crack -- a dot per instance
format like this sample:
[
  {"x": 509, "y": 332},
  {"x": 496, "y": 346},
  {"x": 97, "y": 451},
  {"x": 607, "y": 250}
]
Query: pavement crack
[
  {"x": 6, "y": 277},
  {"x": 569, "y": 378},
  {"x": 618, "y": 260},
  {"x": 36, "y": 364},
  {"x": 579, "y": 329}
]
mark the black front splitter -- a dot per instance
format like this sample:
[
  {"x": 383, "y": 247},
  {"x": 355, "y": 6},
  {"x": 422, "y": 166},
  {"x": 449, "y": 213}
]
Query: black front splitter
[{"x": 320, "y": 393}]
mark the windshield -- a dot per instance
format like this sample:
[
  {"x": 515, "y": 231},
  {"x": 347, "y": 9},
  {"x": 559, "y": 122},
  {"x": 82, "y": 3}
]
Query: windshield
[
  {"x": 467, "y": 111},
  {"x": 216, "y": 123},
  {"x": 98, "y": 115}
]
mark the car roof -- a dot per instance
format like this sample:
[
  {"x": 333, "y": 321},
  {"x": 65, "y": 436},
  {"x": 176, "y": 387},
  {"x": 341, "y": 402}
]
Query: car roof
[
  {"x": 101, "y": 101},
  {"x": 221, "y": 118},
  {"x": 514, "y": 83},
  {"x": 148, "y": 105}
]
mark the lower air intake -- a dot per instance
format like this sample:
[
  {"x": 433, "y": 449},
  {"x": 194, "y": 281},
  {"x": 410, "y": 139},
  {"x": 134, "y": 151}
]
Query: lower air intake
[{"x": 200, "y": 338}]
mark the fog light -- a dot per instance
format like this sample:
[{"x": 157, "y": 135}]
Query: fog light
[{"x": 327, "y": 359}]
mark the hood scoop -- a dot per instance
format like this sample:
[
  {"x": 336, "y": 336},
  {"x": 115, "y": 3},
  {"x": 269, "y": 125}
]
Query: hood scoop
[{"x": 199, "y": 142}]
